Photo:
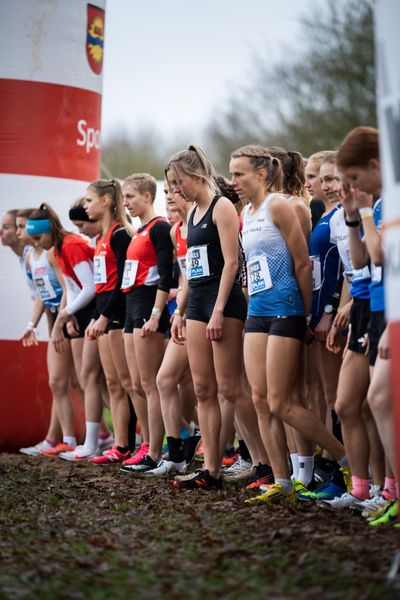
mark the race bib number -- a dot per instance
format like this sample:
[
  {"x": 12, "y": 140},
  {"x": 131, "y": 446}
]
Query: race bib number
[
  {"x": 259, "y": 278},
  {"x": 182, "y": 265},
  {"x": 316, "y": 273},
  {"x": 99, "y": 265},
  {"x": 130, "y": 270},
  {"x": 376, "y": 273},
  {"x": 197, "y": 262},
  {"x": 44, "y": 288}
]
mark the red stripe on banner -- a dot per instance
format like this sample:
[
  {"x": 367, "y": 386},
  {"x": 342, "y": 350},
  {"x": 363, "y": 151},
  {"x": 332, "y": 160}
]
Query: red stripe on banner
[
  {"x": 49, "y": 130},
  {"x": 25, "y": 400},
  {"x": 394, "y": 338}
]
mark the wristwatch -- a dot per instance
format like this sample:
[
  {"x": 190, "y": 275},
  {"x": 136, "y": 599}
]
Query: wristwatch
[{"x": 328, "y": 310}]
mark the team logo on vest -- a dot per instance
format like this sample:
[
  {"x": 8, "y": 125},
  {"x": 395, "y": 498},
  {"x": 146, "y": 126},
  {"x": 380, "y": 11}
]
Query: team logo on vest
[{"x": 95, "y": 37}]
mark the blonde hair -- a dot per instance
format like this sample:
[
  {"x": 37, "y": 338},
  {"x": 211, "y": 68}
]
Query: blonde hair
[
  {"x": 112, "y": 188},
  {"x": 319, "y": 157},
  {"x": 143, "y": 182},
  {"x": 193, "y": 162},
  {"x": 260, "y": 158}
]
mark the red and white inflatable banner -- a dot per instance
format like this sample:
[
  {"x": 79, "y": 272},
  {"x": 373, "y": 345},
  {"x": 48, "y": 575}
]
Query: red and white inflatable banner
[
  {"x": 387, "y": 19},
  {"x": 51, "y": 60}
]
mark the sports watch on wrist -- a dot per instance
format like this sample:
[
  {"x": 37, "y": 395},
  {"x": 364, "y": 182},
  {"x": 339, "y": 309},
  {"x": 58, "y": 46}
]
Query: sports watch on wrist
[{"x": 328, "y": 309}]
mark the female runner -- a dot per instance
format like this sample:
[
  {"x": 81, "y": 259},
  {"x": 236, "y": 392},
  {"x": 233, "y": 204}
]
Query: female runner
[
  {"x": 147, "y": 281},
  {"x": 75, "y": 259},
  {"x": 279, "y": 281},
  {"x": 216, "y": 309}
]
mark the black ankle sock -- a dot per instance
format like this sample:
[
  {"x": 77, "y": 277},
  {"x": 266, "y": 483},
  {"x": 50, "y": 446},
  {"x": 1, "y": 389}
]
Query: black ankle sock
[
  {"x": 244, "y": 451},
  {"x": 123, "y": 449},
  {"x": 175, "y": 449}
]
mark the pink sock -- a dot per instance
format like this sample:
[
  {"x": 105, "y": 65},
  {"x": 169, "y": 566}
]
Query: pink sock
[
  {"x": 360, "y": 487},
  {"x": 389, "y": 489},
  {"x": 50, "y": 443}
]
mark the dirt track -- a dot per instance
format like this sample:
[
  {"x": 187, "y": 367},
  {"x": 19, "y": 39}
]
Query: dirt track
[{"x": 81, "y": 531}]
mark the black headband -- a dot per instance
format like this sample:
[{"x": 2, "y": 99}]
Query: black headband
[{"x": 79, "y": 214}]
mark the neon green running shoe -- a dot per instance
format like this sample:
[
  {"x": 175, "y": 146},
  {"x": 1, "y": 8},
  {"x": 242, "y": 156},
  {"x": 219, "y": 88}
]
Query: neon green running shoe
[
  {"x": 389, "y": 515},
  {"x": 275, "y": 495}
]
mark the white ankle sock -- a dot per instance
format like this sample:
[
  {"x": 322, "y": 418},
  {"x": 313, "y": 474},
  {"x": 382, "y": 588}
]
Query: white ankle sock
[
  {"x": 295, "y": 465},
  {"x": 286, "y": 484},
  {"x": 92, "y": 435},
  {"x": 68, "y": 439},
  {"x": 306, "y": 468}
]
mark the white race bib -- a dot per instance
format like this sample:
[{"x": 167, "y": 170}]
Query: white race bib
[
  {"x": 99, "y": 265},
  {"x": 44, "y": 288},
  {"x": 197, "y": 262},
  {"x": 182, "y": 265},
  {"x": 376, "y": 273},
  {"x": 259, "y": 277},
  {"x": 130, "y": 270},
  {"x": 316, "y": 273}
]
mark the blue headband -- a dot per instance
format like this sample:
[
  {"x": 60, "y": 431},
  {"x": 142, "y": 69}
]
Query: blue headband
[{"x": 38, "y": 226}]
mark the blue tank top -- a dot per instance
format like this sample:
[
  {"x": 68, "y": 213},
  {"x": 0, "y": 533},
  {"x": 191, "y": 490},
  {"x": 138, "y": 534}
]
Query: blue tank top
[
  {"x": 272, "y": 285},
  {"x": 376, "y": 289},
  {"x": 45, "y": 280},
  {"x": 326, "y": 264}
]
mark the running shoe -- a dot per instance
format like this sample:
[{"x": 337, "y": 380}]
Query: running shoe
[
  {"x": 323, "y": 470},
  {"x": 328, "y": 491},
  {"x": 57, "y": 450},
  {"x": 140, "y": 453},
  {"x": 191, "y": 445},
  {"x": 372, "y": 506},
  {"x": 202, "y": 480},
  {"x": 35, "y": 450},
  {"x": 275, "y": 495},
  {"x": 146, "y": 464},
  {"x": 106, "y": 443},
  {"x": 230, "y": 456},
  {"x": 346, "y": 500},
  {"x": 167, "y": 467},
  {"x": 111, "y": 457},
  {"x": 389, "y": 515},
  {"x": 80, "y": 453},
  {"x": 241, "y": 469},
  {"x": 260, "y": 476}
]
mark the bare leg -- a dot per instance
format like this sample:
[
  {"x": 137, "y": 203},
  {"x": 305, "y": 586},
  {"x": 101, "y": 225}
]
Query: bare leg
[{"x": 139, "y": 397}]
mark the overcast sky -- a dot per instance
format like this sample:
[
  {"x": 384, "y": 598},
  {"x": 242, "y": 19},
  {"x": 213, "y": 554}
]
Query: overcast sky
[{"x": 169, "y": 64}]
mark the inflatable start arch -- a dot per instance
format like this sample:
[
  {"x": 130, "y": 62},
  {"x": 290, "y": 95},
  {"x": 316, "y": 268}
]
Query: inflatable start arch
[{"x": 51, "y": 62}]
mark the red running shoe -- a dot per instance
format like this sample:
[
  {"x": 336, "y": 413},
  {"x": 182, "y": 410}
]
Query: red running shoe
[{"x": 111, "y": 457}]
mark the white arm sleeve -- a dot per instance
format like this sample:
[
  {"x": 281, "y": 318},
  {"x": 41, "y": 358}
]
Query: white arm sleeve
[{"x": 84, "y": 272}]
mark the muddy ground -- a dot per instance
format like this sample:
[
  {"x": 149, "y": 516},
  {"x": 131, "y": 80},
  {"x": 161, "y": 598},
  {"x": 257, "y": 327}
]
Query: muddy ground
[{"x": 77, "y": 531}]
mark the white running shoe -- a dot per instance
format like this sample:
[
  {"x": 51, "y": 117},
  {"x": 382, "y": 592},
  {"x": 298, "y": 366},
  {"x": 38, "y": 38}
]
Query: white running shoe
[
  {"x": 372, "y": 506},
  {"x": 35, "y": 450},
  {"x": 106, "y": 443},
  {"x": 239, "y": 470},
  {"x": 167, "y": 467},
  {"x": 80, "y": 453},
  {"x": 346, "y": 500}
]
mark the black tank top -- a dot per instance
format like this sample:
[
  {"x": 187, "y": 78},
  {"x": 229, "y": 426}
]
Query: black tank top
[{"x": 205, "y": 258}]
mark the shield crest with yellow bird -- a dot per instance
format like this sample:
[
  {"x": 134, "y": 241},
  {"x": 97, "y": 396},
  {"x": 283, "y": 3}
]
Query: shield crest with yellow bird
[{"x": 95, "y": 37}]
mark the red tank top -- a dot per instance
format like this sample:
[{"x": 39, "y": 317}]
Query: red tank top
[
  {"x": 181, "y": 249},
  {"x": 105, "y": 263},
  {"x": 141, "y": 260}
]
